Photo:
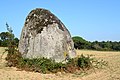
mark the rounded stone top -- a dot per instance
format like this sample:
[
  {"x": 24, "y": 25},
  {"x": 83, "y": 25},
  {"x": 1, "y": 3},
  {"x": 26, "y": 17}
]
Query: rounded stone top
[{"x": 43, "y": 17}]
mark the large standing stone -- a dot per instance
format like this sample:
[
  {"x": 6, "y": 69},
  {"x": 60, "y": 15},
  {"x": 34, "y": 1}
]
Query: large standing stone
[{"x": 44, "y": 35}]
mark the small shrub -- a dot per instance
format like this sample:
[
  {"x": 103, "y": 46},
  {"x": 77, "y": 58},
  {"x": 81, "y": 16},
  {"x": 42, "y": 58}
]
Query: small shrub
[
  {"x": 85, "y": 62},
  {"x": 43, "y": 65},
  {"x": 13, "y": 59},
  {"x": 88, "y": 62}
]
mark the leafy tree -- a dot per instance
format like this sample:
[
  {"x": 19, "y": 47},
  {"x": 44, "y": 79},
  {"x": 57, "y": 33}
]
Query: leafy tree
[
  {"x": 116, "y": 46},
  {"x": 13, "y": 55},
  {"x": 7, "y": 38},
  {"x": 80, "y": 43},
  {"x": 4, "y": 36},
  {"x": 11, "y": 42},
  {"x": 96, "y": 46},
  {"x": 16, "y": 41}
]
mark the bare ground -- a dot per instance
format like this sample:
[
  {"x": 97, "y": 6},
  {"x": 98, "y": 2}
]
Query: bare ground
[{"x": 111, "y": 72}]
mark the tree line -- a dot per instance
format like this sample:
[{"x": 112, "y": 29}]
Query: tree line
[{"x": 80, "y": 43}]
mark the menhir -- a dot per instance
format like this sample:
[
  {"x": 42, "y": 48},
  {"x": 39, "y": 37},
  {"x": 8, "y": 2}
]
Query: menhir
[{"x": 44, "y": 35}]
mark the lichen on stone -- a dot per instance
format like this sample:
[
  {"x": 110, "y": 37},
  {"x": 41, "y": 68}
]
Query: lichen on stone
[{"x": 43, "y": 18}]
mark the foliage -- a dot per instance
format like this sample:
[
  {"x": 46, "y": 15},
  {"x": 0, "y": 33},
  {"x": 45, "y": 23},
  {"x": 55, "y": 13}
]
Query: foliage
[
  {"x": 11, "y": 46},
  {"x": 4, "y": 36},
  {"x": 81, "y": 43},
  {"x": 16, "y": 40},
  {"x": 7, "y": 38},
  {"x": 85, "y": 62},
  {"x": 13, "y": 55},
  {"x": 43, "y": 65},
  {"x": 13, "y": 59}
]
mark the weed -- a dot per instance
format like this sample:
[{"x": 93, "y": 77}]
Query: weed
[{"x": 84, "y": 62}]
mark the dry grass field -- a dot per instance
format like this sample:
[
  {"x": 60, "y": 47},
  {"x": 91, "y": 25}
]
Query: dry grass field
[{"x": 111, "y": 72}]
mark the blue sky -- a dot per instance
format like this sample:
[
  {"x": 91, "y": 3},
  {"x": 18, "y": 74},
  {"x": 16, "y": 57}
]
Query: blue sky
[{"x": 90, "y": 19}]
